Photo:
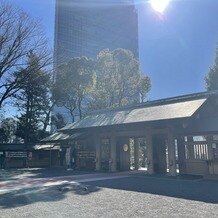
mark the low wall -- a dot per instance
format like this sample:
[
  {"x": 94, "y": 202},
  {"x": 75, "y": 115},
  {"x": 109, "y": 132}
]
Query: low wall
[
  {"x": 196, "y": 167},
  {"x": 39, "y": 158}
]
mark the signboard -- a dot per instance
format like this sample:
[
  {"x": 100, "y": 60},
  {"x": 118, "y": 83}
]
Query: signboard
[
  {"x": 17, "y": 154},
  {"x": 86, "y": 154}
]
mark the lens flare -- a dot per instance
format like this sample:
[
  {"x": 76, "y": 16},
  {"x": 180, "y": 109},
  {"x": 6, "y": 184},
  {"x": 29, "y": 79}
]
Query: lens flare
[{"x": 159, "y": 5}]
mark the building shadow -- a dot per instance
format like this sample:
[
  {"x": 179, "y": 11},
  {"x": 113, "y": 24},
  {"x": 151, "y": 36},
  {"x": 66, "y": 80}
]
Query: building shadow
[{"x": 194, "y": 188}]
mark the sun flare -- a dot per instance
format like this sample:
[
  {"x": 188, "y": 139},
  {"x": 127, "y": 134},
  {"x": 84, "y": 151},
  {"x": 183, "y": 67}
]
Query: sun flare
[{"x": 159, "y": 5}]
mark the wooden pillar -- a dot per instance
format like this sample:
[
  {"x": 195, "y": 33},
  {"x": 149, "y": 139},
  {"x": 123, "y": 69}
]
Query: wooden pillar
[
  {"x": 136, "y": 153},
  {"x": 97, "y": 152},
  {"x": 190, "y": 147},
  {"x": 210, "y": 155},
  {"x": 113, "y": 156},
  {"x": 181, "y": 154},
  {"x": 171, "y": 152},
  {"x": 50, "y": 156},
  {"x": 149, "y": 148}
]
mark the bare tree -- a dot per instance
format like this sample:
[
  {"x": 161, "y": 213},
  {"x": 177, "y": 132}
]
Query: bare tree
[{"x": 19, "y": 34}]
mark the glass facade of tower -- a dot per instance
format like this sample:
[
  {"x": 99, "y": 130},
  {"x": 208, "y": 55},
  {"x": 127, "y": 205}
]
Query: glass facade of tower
[{"x": 85, "y": 27}]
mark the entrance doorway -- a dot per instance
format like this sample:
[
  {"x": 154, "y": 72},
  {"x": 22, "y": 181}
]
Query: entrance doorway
[
  {"x": 159, "y": 154},
  {"x": 123, "y": 154},
  {"x": 105, "y": 154}
]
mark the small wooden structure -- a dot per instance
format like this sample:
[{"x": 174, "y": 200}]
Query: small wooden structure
[
  {"x": 181, "y": 135},
  {"x": 21, "y": 155}
]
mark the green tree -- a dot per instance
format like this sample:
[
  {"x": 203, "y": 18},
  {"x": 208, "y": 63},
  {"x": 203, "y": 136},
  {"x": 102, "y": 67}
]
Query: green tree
[
  {"x": 8, "y": 130},
  {"x": 32, "y": 100},
  {"x": 144, "y": 87},
  {"x": 27, "y": 129},
  {"x": 118, "y": 80},
  {"x": 73, "y": 85},
  {"x": 211, "y": 78},
  {"x": 57, "y": 121},
  {"x": 3, "y": 136},
  {"x": 111, "y": 80}
]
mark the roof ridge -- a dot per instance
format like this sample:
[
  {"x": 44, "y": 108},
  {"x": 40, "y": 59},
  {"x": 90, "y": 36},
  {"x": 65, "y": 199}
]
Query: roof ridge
[{"x": 158, "y": 101}]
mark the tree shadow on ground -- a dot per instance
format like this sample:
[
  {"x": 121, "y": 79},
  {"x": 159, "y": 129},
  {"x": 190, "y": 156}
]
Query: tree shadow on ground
[
  {"x": 197, "y": 190},
  {"x": 26, "y": 196}
]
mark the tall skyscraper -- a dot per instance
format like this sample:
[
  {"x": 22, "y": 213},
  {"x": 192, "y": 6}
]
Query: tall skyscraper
[{"x": 85, "y": 27}]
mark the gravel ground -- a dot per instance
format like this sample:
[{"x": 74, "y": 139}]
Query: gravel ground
[
  {"x": 32, "y": 173},
  {"x": 136, "y": 196}
]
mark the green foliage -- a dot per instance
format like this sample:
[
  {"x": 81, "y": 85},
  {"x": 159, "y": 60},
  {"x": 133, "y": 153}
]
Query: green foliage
[
  {"x": 57, "y": 121},
  {"x": 73, "y": 84},
  {"x": 144, "y": 87},
  {"x": 212, "y": 77},
  {"x": 32, "y": 99},
  {"x": 7, "y": 130},
  {"x": 112, "y": 80},
  {"x": 27, "y": 128},
  {"x": 3, "y": 136},
  {"x": 118, "y": 80}
]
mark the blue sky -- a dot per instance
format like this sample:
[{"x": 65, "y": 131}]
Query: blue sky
[{"x": 176, "y": 48}]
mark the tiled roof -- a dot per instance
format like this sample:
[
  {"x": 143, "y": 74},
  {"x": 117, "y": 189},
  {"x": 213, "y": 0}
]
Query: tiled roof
[
  {"x": 145, "y": 113},
  {"x": 59, "y": 136}
]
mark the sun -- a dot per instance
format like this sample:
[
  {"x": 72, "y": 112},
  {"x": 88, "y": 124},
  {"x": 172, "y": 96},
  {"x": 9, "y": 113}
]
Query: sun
[{"x": 159, "y": 5}]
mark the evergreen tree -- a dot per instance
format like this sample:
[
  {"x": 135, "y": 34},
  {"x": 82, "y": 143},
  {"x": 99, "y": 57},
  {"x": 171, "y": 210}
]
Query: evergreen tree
[
  {"x": 7, "y": 130},
  {"x": 57, "y": 121},
  {"x": 118, "y": 80},
  {"x": 111, "y": 80},
  {"x": 212, "y": 77},
  {"x": 32, "y": 100},
  {"x": 74, "y": 82}
]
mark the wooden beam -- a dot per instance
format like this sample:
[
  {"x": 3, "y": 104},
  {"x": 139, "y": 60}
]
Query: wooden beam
[
  {"x": 113, "y": 153},
  {"x": 181, "y": 154},
  {"x": 97, "y": 152},
  {"x": 171, "y": 152},
  {"x": 149, "y": 146},
  {"x": 135, "y": 133}
]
